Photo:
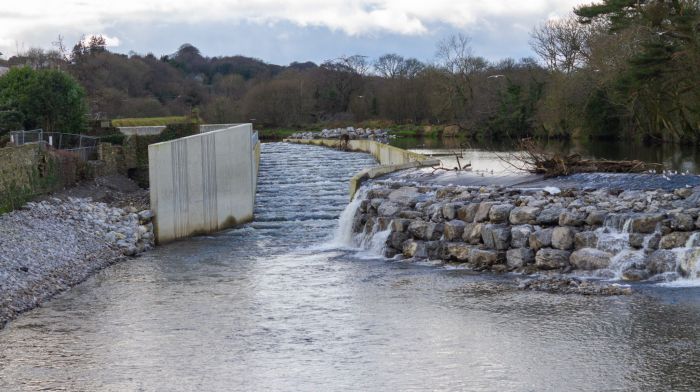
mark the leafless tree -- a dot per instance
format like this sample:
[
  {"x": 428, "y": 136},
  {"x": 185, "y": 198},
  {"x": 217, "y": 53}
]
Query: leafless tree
[{"x": 562, "y": 44}]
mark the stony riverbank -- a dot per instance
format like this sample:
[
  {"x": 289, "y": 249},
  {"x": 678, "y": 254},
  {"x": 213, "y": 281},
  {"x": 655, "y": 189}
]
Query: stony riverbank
[
  {"x": 606, "y": 233},
  {"x": 51, "y": 245}
]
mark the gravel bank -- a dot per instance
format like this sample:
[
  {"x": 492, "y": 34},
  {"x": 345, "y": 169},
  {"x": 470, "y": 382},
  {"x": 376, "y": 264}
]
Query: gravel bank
[{"x": 51, "y": 245}]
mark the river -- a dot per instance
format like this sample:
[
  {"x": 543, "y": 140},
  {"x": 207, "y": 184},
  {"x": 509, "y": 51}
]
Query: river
[{"x": 274, "y": 306}]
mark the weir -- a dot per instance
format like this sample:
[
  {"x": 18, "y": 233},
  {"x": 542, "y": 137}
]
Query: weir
[{"x": 203, "y": 183}]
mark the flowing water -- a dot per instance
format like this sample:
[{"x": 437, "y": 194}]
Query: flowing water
[{"x": 286, "y": 304}]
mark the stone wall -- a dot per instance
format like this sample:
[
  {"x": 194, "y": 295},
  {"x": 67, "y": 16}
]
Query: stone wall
[
  {"x": 31, "y": 170},
  {"x": 203, "y": 183},
  {"x": 631, "y": 235}
]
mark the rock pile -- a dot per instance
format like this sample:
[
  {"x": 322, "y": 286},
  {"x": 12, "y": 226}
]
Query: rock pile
[
  {"x": 631, "y": 235},
  {"x": 353, "y": 133},
  {"x": 51, "y": 245}
]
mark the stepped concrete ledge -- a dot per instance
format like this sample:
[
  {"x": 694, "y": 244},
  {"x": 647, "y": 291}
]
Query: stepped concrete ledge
[{"x": 390, "y": 158}]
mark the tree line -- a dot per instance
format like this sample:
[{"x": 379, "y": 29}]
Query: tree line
[{"x": 615, "y": 69}]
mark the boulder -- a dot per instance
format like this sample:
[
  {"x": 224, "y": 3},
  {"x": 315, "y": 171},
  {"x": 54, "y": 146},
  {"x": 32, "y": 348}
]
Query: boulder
[
  {"x": 520, "y": 235},
  {"x": 516, "y": 258},
  {"x": 496, "y": 236},
  {"x": 499, "y": 213},
  {"x": 422, "y": 230},
  {"x": 645, "y": 223},
  {"x": 523, "y": 215},
  {"x": 454, "y": 230},
  {"x": 396, "y": 240},
  {"x": 661, "y": 261},
  {"x": 590, "y": 259},
  {"x": 636, "y": 240},
  {"x": 417, "y": 249},
  {"x": 388, "y": 208},
  {"x": 467, "y": 212},
  {"x": 472, "y": 233},
  {"x": 596, "y": 218},
  {"x": 681, "y": 221},
  {"x": 572, "y": 218},
  {"x": 585, "y": 239},
  {"x": 541, "y": 239},
  {"x": 563, "y": 238},
  {"x": 458, "y": 251},
  {"x": 399, "y": 225},
  {"x": 634, "y": 275},
  {"x": 449, "y": 210},
  {"x": 548, "y": 258},
  {"x": 482, "y": 212},
  {"x": 482, "y": 258},
  {"x": 549, "y": 216},
  {"x": 676, "y": 239},
  {"x": 405, "y": 195}
]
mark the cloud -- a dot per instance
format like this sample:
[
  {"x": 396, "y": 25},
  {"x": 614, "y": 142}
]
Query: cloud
[
  {"x": 32, "y": 20},
  {"x": 111, "y": 42}
]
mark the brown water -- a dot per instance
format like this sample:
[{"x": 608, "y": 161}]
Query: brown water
[{"x": 272, "y": 306}]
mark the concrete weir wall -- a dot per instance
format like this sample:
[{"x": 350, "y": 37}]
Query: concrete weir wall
[
  {"x": 203, "y": 183},
  {"x": 390, "y": 158}
]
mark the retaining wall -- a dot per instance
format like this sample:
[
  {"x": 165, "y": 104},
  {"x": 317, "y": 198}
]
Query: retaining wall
[
  {"x": 390, "y": 158},
  {"x": 157, "y": 130},
  {"x": 203, "y": 183}
]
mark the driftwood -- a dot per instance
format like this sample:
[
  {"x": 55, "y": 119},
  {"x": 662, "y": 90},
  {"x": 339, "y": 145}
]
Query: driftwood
[{"x": 533, "y": 159}]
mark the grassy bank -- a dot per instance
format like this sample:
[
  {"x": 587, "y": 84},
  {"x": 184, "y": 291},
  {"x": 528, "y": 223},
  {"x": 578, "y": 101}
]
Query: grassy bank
[{"x": 149, "y": 121}]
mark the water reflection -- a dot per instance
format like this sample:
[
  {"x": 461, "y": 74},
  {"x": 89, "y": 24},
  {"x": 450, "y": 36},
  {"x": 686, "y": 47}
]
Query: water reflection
[{"x": 677, "y": 157}]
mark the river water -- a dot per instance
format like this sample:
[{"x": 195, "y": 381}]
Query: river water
[{"x": 274, "y": 306}]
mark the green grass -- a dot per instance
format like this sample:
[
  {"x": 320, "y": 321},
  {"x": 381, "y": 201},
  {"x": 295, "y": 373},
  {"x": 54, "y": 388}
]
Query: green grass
[{"x": 149, "y": 121}]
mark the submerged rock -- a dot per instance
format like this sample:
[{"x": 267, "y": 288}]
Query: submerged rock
[{"x": 570, "y": 285}]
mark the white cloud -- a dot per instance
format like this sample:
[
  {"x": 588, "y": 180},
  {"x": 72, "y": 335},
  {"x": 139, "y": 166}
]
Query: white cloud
[
  {"x": 111, "y": 42},
  {"x": 29, "y": 18}
]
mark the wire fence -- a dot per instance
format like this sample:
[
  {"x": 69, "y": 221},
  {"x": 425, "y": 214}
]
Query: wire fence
[{"x": 84, "y": 147}]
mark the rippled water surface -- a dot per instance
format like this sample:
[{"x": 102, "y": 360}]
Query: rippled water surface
[{"x": 269, "y": 307}]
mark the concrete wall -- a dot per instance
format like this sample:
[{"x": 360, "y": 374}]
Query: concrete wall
[
  {"x": 142, "y": 131},
  {"x": 157, "y": 130},
  {"x": 389, "y": 157},
  {"x": 203, "y": 183}
]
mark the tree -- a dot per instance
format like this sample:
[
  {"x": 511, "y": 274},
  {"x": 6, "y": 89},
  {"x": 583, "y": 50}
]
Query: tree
[
  {"x": 50, "y": 99},
  {"x": 562, "y": 44}
]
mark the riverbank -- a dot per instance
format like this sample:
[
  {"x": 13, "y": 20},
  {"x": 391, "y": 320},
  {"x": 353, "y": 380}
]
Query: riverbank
[
  {"x": 55, "y": 243},
  {"x": 629, "y": 235}
]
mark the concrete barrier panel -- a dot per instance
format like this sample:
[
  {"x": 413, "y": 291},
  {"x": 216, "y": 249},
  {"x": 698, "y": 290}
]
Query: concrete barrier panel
[{"x": 203, "y": 183}]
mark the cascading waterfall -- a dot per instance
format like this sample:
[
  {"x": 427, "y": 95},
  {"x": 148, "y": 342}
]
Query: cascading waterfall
[{"x": 370, "y": 243}]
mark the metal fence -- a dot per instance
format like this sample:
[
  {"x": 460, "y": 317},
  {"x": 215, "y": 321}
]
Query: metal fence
[{"x": 85, "y": 147}]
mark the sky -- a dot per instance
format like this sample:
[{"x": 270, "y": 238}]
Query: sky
[{"x": 280, "y": 32}]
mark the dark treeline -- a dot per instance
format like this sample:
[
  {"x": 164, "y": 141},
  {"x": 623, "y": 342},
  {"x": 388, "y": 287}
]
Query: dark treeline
[{"x": 619, "y": 69}]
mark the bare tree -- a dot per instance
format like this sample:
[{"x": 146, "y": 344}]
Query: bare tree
[
  {"x": 562, "y": 44},
  {"x": 389, "y": 65}
]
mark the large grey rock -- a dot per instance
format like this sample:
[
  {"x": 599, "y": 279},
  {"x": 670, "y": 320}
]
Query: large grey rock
[
  {"x": 634, "y": 274},
  {"x": 681, "y": 221},
  {"x": 645, "y": 223},
  {"x": 424, "y": 230},
  {"x": 388, "y": 208},
  {"x": 572, "y": 218},
  {"x": 549, "y": 216},
  {"x": 563, "y": 238},
  {"x": 590, "y": 259},
  {"x": 404, "y": 195},
  {"x": 396, "y": 240},
  {"x": 472, "y": 233},
  {"x": 541, "y": 239},
  {"x": 482, "y": 213},
  {"x": 661, "y": 261},
  {"x": 458, "y": 250},
  {"x": 468, "y": 212},
  {"x": 677, "y": 239},
  {"x": 596, "y": 218},
  {"x": 548, "y": 258},
  {"x": 483, "y": 258},
  {"x": 519, "y": 257},
  {"x": 585, "y": 239},
  {"x": 499, "y": 213},
  {"x": 417, "y": 249},
  {"x": 523, "y": 215},
  {"x": 454, "y": 230},
  {"x": 496, "y": 236},
  {"x": 400, "y": 225},
  {"x": 636, "y": 240},
  {"x": 449, "y": 210},
  {"x": 520, "y": 236}
]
